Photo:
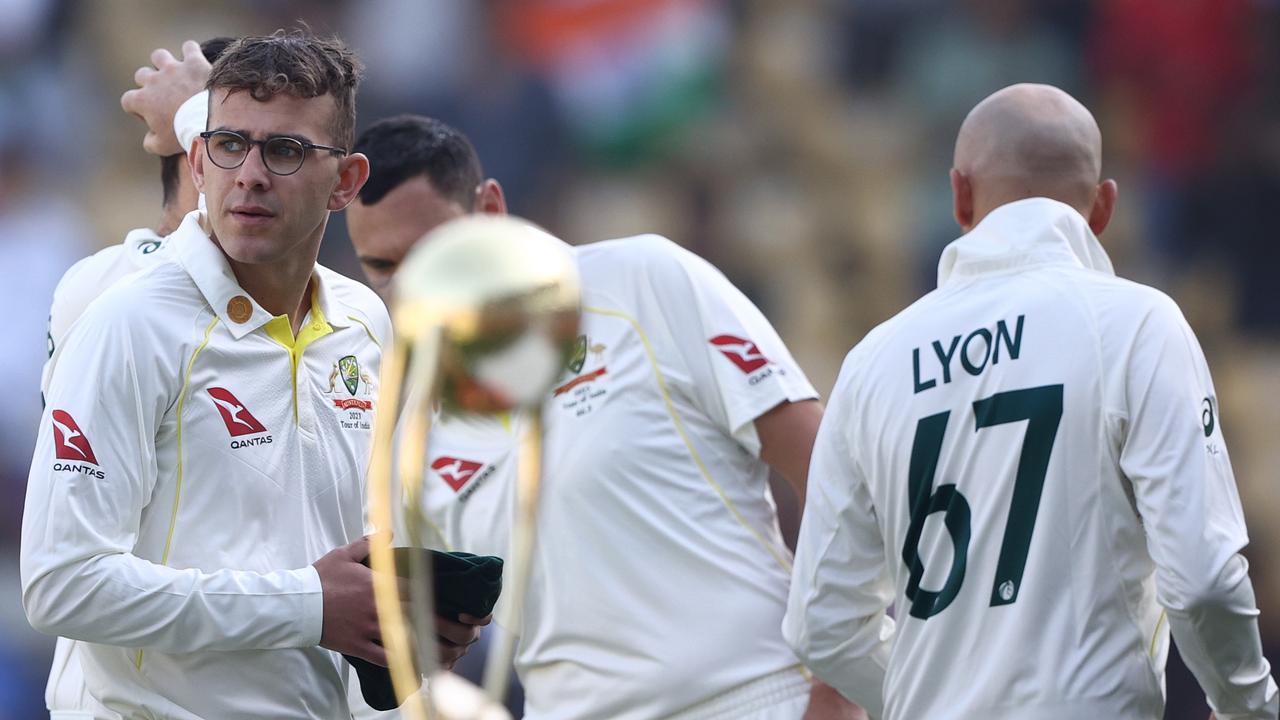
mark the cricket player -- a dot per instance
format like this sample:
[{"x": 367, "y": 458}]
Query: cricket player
[
  {"x": 660, "y": 576},
  {"x": 1029, "y": 464},
  {"x": 65, "y": 695},
  {"x": 196, "y": 468},
  {"x": 171, "y": 101}
]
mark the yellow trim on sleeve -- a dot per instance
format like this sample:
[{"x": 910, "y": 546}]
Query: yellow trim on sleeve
[
  {"x": 177, "y": 493},
  {"x": 684, "y": 435},
  {"x": 364, "y": 325},
  {"x": 280, "y": 330},
  {"x": 1156, "y": 633}
]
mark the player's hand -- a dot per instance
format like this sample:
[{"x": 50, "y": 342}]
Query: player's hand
[
  {"x": 826, "y": 703},
  {"x": 456, "y": 637},
  {"x": 162, "y": 88},
  {"x": 350, "y": 618}
]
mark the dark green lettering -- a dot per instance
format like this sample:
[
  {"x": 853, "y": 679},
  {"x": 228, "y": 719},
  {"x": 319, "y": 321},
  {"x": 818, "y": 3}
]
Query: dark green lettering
[
  {"x": 915, "y": 363},
  {"x": 1014, "y": 344},
  {"x": 986, "y": 352},
  {"x": 945, "y": 358}
]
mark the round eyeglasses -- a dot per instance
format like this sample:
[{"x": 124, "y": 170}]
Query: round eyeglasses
[{"x": 281, "y": 154}]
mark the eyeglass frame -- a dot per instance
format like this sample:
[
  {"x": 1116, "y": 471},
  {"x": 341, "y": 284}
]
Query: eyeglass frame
[{"x": 262, "y": 145}]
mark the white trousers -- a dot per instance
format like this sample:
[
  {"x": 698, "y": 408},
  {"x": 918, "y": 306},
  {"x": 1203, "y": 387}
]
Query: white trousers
[{"x": 783, "y": 695}]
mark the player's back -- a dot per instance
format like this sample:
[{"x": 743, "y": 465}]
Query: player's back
[{"x": 987, "y": 426}]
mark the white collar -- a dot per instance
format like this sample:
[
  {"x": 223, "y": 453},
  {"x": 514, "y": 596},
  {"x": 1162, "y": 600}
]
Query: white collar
[
  {"x": 208, "y": 267},
  {"x": 1035, "y": 231}
]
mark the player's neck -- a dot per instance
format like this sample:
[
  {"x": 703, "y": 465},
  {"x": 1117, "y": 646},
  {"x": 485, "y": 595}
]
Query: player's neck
[
  {"x": 280, "y": 287},
  {"x": 170, "y": 219}
]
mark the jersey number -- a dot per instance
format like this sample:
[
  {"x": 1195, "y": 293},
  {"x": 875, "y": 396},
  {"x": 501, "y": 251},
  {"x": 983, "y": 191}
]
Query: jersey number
[{"x": 1042, "y": 408}]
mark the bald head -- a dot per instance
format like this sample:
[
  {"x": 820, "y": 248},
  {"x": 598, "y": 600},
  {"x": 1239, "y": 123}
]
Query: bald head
[{"x": 1028, "y": 141}]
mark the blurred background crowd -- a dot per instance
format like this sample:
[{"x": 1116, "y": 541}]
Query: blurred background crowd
[{"x": 801, "y": 146}]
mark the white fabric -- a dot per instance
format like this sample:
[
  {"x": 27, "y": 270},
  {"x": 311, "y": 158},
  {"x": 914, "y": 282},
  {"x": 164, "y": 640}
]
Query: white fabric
[
  {"x": 784, "y": 695},
  {"x": 1138, "y": 509},
  {"x": 191, "y": 119},
  {"x": 79, "y": 286},
  {"x": 89, "y": 277},
  {"x": 655, "y": 587},
  {"x": 165, "y": 527}
]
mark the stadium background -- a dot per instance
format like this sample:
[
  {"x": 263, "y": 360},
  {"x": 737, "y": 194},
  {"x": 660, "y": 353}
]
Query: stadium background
[{"x": 801, "y": 146}]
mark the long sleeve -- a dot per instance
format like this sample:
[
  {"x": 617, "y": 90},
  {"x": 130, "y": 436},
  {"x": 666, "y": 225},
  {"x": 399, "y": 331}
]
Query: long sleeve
[
  {"x": 94, "y": 472},
  {"x": 1174, "y": 454},
  {"x": 840, "y": 584}
]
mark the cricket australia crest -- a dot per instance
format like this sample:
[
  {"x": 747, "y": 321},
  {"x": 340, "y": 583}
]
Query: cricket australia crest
[{"x": 357, "y": 382}]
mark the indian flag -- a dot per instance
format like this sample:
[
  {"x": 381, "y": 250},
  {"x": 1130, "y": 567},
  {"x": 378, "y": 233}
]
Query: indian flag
[{"x": 628, "y": 74}]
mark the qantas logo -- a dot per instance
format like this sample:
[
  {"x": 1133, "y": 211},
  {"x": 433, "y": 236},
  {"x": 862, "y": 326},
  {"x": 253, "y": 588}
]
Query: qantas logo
[
  {"x": 238, "y": 420},
  {"x": 454, "y": 471},
  {"x": 69, "y": 443},
  {"x": 740, "y": 352}
]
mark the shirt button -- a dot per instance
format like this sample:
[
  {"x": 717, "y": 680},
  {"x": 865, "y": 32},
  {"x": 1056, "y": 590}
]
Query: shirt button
[{"x": 239, "y": 309}]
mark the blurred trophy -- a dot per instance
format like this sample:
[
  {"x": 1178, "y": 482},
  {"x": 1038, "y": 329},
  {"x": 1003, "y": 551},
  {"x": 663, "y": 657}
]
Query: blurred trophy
[{"x": 486, "y": 312}]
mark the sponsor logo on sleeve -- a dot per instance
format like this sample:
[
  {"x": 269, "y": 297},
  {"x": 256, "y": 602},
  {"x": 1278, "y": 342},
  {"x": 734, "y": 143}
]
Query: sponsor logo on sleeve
[
  {"x": 239, "y": 421},
  {"x": 455, "y": 472},
  {"x": 1209, "y": 421},
  {"x": 741, "y": 352},
  {"x": 746, "y": 356},
  {"x": 71, "y": 445}
]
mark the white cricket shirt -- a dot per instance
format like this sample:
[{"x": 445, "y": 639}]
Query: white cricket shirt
[
  {"x": 660, "y": 574},
  {"x": 1028, "y": 463},
  {"x": 194, "y": 459},
  {"x": 83, "y": 282}
]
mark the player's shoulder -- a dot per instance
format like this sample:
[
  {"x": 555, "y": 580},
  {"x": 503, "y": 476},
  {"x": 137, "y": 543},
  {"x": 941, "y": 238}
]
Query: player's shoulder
[
  {"x": 1122, "y": 307},
  {"x": 359, "y": 301},
  {"x": 637, "y": 253},
  {"x": 1130, "y": 295},
  {"x": 144, "y": 247},
  {"x": 93, "y": 274},
  {"x": 153, "y": 295},
  {"x": 640, "y": 264}
]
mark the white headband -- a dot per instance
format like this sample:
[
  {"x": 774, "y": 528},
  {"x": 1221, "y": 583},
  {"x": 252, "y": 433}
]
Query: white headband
[{"x": 191, "y": 119}]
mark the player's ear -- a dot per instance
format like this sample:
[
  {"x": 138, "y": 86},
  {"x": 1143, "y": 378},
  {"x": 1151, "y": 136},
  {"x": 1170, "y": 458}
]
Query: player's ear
[
  {"x": 489, "y": 198},
  {"x": 353, "y": 171},
  {"x": 1104, "y": 204},
  {"x": 962, "y": 199},
  {"x": 195, "y": 160}
]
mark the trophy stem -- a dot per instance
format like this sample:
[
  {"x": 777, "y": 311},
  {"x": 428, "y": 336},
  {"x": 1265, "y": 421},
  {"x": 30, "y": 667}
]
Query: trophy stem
[
  {"x": 523, "y": 537},
  {"x": 415, "y": 432}
]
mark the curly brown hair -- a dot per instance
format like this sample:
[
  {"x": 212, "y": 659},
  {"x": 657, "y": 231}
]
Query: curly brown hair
[{"x": 297, "y": 63}]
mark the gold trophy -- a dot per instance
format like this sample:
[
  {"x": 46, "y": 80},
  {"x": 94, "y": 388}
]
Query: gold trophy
[{"x": 486, "y": 312}]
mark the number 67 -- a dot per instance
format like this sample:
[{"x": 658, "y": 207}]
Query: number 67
[{"x": 1042, "y": 408}]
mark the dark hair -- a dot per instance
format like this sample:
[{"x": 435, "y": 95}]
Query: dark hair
[
  {"x": 171, "y": 165},
  {"x": 296, "y": 63},
  {"x": 406, "y": 146}
]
